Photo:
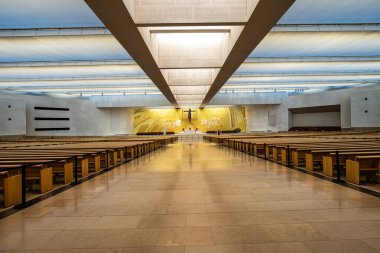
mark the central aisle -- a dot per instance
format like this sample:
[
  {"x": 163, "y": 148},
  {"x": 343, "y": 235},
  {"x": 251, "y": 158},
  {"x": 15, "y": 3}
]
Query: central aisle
[{"x": 193, "y": 196}]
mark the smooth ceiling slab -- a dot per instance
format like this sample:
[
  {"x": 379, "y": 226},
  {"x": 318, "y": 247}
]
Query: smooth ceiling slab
[
  {"x": 314, "y": 44},
  {"x": 61, "y": 48},
  {"x": 190, "y": 11},
  {"x": 202, "y": 38},
  {"x": 264, "y": 17},
  {"x": 116, "y": 17}
]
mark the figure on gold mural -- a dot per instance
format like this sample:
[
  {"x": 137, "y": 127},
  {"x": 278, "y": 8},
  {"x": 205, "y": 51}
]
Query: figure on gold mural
[{"x": 189, "y": 114}]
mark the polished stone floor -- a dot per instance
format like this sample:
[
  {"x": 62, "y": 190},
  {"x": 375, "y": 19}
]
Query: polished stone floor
[{"x": 198, "y": 197}]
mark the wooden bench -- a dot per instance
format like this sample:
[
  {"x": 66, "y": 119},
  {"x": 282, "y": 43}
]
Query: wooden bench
[
  {"x": 65, "y": 169},
  {"x": 362, "y": 164},
  {"x": 330, "y": 159},
  {"x": 10, "y": 186},
  {"x": 42, "y": 175},
  {"x": 46, "y": 160}
]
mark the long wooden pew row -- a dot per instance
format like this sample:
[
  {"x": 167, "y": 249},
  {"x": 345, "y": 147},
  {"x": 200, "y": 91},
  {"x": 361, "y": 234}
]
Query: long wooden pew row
[
  {"x": 317, "y": 156},
  {"x": 309, "y": 157},
  {"x": 44, "y": 162},
  {"x": 313, "y": 152},
  {"x": 329, "y": 160},
  {"x": 299, "y": 151}
]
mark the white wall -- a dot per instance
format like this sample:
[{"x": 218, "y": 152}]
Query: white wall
[
  {"x": 121, "y": 121},
  {"x": 261, "y": 118},
  {"x": 351, "y": 101},
  {"x": 85, "y": 118},
  {"x": 316, "y": 119},
  {"x": 12, "y": 117},
  {"x": 365, "y": 109},
  {"x": 338, "y": 97}
]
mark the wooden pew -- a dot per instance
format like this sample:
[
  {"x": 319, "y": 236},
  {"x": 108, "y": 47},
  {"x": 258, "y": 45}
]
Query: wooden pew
[
  {"x": 10, "y": 186},
  {"x": 63, "y": 168},
  {"x": 362, "y": 165},
  {"x": 56, "y": 158},
  {"x": 329, "y": 160},
  {"x": 317, "y": 155},
  {"x": 42, "y": 175}
]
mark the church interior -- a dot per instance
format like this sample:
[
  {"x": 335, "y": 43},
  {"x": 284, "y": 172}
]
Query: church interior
[{"x": 183, "y": 126}]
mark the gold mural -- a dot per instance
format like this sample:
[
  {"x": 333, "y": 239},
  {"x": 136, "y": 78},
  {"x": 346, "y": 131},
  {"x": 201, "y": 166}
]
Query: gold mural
[{"x": 175, "y": 120}]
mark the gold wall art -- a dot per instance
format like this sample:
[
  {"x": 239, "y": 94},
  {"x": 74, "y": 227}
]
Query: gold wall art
[{"x": 175, "y": 120}]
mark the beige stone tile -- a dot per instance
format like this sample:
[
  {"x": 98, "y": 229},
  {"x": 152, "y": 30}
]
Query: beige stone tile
[
  {"x": 103, "y": 238},
  {"x": 373, "y": 243},
  {"x": 25, "y": 239},
  {"x": 185, "y": 236},
  {"x": 162, "y": 221},
  {"x": 239, "y": 234},
  {"x": 154, "y": 250},
  {"x": 245, "y": 200},
  {"x": 291, "y": 247},
  {"x": 225, "y": 207},
  {"x": 66, "y": 223},
  {"x": 216, "y": 249},
  {"x": 293, "y": 232},
  {"x": 186, "y": 208},
  {"x": 33, "y": 212},
  {"x": 265, "y": 206},
  {"x": 210, "y": 219},
  {"x": 342, "y": 246},
  {"x": 347, "y": 230},
  {"x": 111, "y": 222},
  {"x": 351, "y": 203},
  {"x": 19, "y": 224},
  {"x": 107, "y": 250},
  {"x": 350, "y": 214},
  {"x": 298, "y": 216}
]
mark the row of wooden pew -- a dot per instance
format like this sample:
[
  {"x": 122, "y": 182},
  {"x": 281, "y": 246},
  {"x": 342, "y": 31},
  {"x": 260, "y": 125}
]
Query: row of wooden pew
[
  {"x": 36, "y": 166},
  {"x": 353, "y": 155}
]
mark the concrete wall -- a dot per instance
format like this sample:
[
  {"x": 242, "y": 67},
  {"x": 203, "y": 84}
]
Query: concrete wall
[
  {"x": 121, "y": 121},
  {"x": 93, "y": 118},
  {"x": 132, "y": 101},
  {"x": 365, "y": 109},
  {"x": 85, "y": 119},
  {"x": 351, "y": 101},
  {"x": 316, "y": 119},
  {"x": 12, "y": 117},
  {"x": 262, "y": 118},
  {"x": 226, "y": 99},
  {"x": 339, "y": 97}
]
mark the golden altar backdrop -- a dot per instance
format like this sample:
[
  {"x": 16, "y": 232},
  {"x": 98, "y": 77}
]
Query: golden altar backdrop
[{"x": 175, "y": 120}]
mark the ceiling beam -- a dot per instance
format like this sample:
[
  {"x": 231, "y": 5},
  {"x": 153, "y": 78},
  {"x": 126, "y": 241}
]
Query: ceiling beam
[
  {"x": 83, "y": 31},
  {"x": 67, "y": 63},
  {"x": 312, "y": 59},
  {"x": 263, "y": 19},
  {"x": 116, "y": 17},
  {"x": 327, "y": 28},
  {"x": 248, "y": 60},
  {"x": 37, "y": 32},
  {"x": 190, "y": 24}
]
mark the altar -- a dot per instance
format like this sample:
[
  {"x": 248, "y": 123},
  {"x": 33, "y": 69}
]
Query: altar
[
  {"x": 189, "y": 132},
  {"x": 190, "y": 135}
]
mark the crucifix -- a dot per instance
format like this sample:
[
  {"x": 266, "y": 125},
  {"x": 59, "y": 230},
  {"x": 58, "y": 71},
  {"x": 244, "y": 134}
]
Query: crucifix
[{"x": 189, "y": 114}]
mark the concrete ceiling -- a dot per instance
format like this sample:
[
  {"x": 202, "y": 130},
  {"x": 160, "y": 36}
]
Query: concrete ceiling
[
  {"x": 189, "y": 44},
  {"x": 64, "y": 48}
]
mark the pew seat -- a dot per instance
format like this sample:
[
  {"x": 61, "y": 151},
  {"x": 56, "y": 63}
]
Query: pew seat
[
  {"x": 63, "y": 169},
  {"x": 41, "y": 176},
  {"x": 362, "y": 169},
  {"x": 10, "y": 188}
]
